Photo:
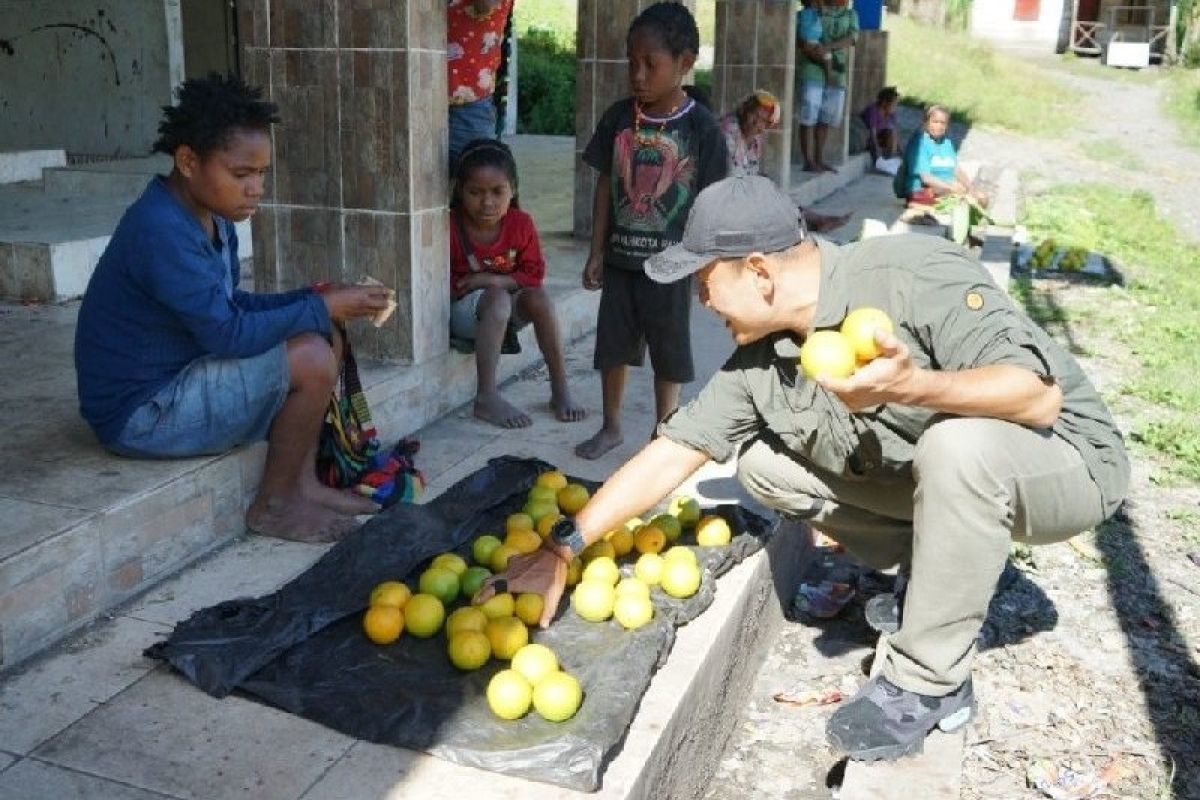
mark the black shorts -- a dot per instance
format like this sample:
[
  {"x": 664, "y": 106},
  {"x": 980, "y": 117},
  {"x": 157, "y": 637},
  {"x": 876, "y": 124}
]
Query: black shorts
[{"x": 636, "y": 312}]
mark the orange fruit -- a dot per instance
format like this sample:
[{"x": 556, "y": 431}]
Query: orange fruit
[
  {"x": 602, "y": 569},
  {"x": 680, "y": 578},
  {"x": 452, "y": 562},
  {"x": 498, "y": 605},
  {"x": 621, "y": 541},
  {"x": 649, "y": 568},
  {"x": 483, "y": 548},
  {"x": 472, "y": 579},
  {"x": 598, "y": 549},
  {"x": 546, "y": 523},
  {"x": 507, "y": 635},
  {"x": 574, "y": 571},
  {"x": 572, "y": 497},
  {"x": 633, "y": 611},
  {"x": 554, "y": 479},
  {"x": 670, "y": 525},
  {"x": 685, "y": 509},
  {"x": 649, "y": 539},
  {"x": 557, "y": 697},
  {"x": 528, "y": 607},
  {"x": 469, "y": 650},
  {"x": 536, "y": 509},
  {"x": 509, "y": 695},
  {"x": 423, "y": 615},
  {"x": 518, "y": 522},
  {"x": 383, "y": 624},
  {"x": 390, "y": 593},
  {"x": 439, "y": 582},
  {"x": 859, "y": 327},
  {"x": 534, "y": 662},
  {"x": 523, "y": 541},
  {"x": 501, "y": 555},
  {"x": 594, "y": 600},
  {"x": 467, "y": 618},
  {"x": 827, "y": 353}
]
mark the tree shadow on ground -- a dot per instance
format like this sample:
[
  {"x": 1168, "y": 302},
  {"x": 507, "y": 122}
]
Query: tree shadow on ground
[{"x": 1168, "y": 675}]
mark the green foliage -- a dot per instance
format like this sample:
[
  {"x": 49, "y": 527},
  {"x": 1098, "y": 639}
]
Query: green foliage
[
  {"x": 1158, "y": 325},
  {"x": 1113, "y": 152},
  {"x": 557, "y": 18},
  {"x": 545, "y": 84},
  {"x": 977, "y": 83},
  {"x": 1181, "y": 99}
]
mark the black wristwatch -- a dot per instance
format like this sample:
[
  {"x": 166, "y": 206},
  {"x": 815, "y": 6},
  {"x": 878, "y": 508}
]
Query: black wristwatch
[{"x": 565, "y": 534}]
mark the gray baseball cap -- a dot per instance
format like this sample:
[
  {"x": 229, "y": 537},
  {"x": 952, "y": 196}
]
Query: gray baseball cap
[{"x": 733, "y": 217}]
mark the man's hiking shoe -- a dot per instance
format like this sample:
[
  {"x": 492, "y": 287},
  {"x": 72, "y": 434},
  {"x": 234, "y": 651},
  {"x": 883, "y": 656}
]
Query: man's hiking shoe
[
  {"x": 883, "y": 722},
  {"x": 882, "y": 612}
]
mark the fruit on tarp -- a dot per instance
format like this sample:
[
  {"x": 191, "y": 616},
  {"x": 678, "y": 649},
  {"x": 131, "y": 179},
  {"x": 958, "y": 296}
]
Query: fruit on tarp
[
  {"x": 680, "y": 578},
  {"x": 390, "y": 593},
  {"x": 554, "y": 479},
  {"x": 649, "y": 539},
  {"x": 602, "y": 569},
  {"x": 685, "y": 509},
  {"x": 594, "y": 600},
  {"x": 469, "y": 650},
  {"x": 528, "y": 608},
  {"x": 649, "y": 568},
  {"x": 383, "y": 624},
  {"x": 484, "y": 546},
  {"x": 633, "y": 586},
  {"x": 535, "y": 662},
  {"x": 557, "y": 697},
  {"x": 572, "y": 497},
  {"x": 523, "y": 541},
  {"x": 439, "y": 582},
  {"x": 423, "y": 615},
  {"x": 472, "y": 579},
  {"x": 498, "y": 605},
  {"x": 713, "y": 531},
  {"x": 509, "y": 695},
  {"x": 633, "y": 610},
  {"x": 452, "y": 562},
  {"x": 670, "y": 525},
  {"x": 467, "y": 618},
  {"x": 681, "y": 551},
  {"x": 501, "y": 555},
  {"x": 507, "y": 635}
]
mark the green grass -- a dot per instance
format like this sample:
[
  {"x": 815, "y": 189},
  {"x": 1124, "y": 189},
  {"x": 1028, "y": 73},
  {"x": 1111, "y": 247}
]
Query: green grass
[
  {"x": 980, "y": 85},
  {"x": 1158, "y": 324},
  {"x": 1112, "y": 152},
  {"x": 1181, "y": 101}
]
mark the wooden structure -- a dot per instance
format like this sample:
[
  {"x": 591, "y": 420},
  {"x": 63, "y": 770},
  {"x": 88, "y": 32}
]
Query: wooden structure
[{"x": 1095, "y": 23}]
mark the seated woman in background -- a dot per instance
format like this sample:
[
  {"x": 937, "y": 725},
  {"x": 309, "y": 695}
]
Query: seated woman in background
[
  {"x": 931, "y": 166},
  {"x": 745, "y": 129}
]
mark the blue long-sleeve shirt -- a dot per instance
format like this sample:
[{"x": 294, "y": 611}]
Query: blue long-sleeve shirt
[{"x": 163, "y": 295}]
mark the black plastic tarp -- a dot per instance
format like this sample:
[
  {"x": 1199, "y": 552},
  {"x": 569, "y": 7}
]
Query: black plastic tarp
[{"x": 302, "y": 648}]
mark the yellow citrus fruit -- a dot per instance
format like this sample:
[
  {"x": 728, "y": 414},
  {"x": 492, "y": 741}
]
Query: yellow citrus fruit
[
  {"x": 472, "y": 579},
  {"x": 383, "y": 624},
  {"x": 668, "y": 524},
  {"x": 543, "y": 494},
  {"x": 649, "y": 539},
  {"x": 633, "y": 586},
  {"x": 621, "y": 541},
  {"x": 574, "y": 571},
  {"x": 507, "y": 635},
  {"x": 523, "y": 541},
  {"x": 554, "y": 479},
  {"x": 633, "y": 524},
  {"x": 593, "y": 600},
  {"x": 572, "y": 497},
  {"x": 546, "y": 523},
  {"x": 633, "y": 611},
  {"x": 685, "y": 509},
  {"x": 423, "y": 615},
  {"x": 451, "y": 561},
  {"x": 680, "y": 578},
  {"x": 439, "y": 582},
  {"x": 509, "y": 694},
  {"x": 499, "y": 605},
  {"x": 600, "y": 549},
  {"x": 534, "y": 662},
  {"x": 827, "y": 353},
  {"x": 859, "y": 327},
  {"x": 649, "y": 569},
  {"x": 528, "y": 608},
  {"x": 713, "y": 531},
  {"x": 467, "y": 618},
  {"x": 519, "y": 521},
  {"x": 557, "y": 697},
  {"x": 390, "y": 593},
  {"x": 483, "y": 548},
  {"x": 469, "y": 649},
  {"x": 602, "y": 569},
  {"x": 680, "y": 551},
  {"x": 501, "y": 555},
  {"x": 537, "y": 509}
]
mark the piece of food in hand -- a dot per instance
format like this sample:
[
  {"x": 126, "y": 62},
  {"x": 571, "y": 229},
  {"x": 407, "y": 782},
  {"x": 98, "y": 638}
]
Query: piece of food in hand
[
  {"x": 859, "y": 327},
  {"x": 827, "y": 353},
  {"x": 383, "y": 314}
]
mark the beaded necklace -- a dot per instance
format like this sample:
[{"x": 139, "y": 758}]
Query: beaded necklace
[{"x": 640, "y": 122}]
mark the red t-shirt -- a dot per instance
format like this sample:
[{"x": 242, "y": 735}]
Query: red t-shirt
[
  {"x": 516, "y": 252},
  {"x": 473, "y": 49}
]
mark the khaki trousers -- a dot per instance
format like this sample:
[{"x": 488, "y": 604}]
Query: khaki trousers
[{"x": 977, "y": 485}]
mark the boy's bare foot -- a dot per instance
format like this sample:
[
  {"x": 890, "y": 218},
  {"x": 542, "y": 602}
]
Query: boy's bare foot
[
  {"x": 495, "y": 409},
  {"x": 565, "y": 409},
  {"x": 598, "y": 445},
  {"x": 811, "y": 167},
  {"x": 298, "y": 521},
  {"x": 342, "y": 501}
]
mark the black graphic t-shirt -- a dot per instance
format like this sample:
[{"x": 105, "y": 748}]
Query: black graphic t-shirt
[{"x": 656, "y": 173}]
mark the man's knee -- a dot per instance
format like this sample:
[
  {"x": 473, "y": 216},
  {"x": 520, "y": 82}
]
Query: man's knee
[
  {"x": 758, "y": 471},
  {"x": 958, "y": 450},
  {"x": 311, "y": 361}
]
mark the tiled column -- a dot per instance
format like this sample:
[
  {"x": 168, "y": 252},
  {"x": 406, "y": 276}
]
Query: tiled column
[
  {"x": 755, "y": 49},
  {"x": 601, "y": 78},
  {"x": 358, "y": 187},
  {"x": 868, "y": 72}
]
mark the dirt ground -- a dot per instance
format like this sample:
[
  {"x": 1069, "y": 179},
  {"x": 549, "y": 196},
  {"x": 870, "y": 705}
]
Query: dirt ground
[{"x": 1089, "y": 657}]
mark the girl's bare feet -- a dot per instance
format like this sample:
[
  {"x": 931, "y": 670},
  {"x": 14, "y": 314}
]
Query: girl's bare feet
[
  {"x": 598, "y": 445},
  {"x": 495, "y": 409},
  {"x": 298, "y": 520},
  {"x": 564, "y": 407}
]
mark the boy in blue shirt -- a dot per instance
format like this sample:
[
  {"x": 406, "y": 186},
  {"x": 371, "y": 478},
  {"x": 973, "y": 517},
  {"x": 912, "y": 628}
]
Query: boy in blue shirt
[{"x": 173, "y": 360}]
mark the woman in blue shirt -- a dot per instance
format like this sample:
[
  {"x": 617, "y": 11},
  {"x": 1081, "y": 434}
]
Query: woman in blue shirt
[
  {"x": 932, "y": 167},
  {"x": 173, "y": 360}
]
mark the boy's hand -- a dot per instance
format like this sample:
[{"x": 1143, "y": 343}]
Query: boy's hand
[
  {"x": 593, "y": 273},
  {"x": 354, "y": 302}
]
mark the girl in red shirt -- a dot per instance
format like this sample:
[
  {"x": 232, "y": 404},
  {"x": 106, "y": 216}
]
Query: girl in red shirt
[{"x": 496, "y": 273}]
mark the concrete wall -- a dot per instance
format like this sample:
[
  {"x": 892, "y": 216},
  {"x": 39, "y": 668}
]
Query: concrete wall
[
  {"x": 993, "y": 20},
  {"x": 87, "y": 76}
]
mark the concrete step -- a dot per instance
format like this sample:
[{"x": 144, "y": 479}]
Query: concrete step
[
  {"x": 118, "y": 178},
  {"x": 27, "y": 165}
]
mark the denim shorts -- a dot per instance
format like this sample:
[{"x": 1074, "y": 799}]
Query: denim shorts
[
  {"x": 212, "y": 406},
  {"x": 820, "y": 104},
  {"x": 468, "y": 122},
  {"x": 464, "y": 315}
]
